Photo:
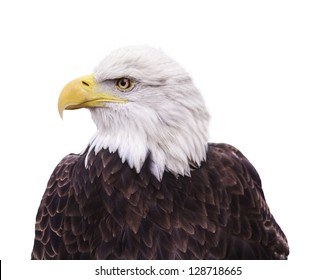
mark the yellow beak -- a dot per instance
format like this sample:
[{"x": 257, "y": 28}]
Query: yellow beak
[{"x": 80, "y": 93}]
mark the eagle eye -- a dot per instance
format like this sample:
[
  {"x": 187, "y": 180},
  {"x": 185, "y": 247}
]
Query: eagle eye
[{"x": 124, "y": 84}]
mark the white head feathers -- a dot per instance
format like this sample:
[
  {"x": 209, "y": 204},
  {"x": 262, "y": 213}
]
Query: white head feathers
[{"x": 165, "y": 116}]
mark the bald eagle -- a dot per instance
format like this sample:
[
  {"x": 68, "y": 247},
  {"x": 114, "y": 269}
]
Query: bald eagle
[{"x": 149, "y": 185}]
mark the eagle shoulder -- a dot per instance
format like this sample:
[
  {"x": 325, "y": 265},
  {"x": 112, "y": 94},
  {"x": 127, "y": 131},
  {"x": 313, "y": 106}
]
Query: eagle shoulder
[
  {"x": 48, "y": 243},
  {"x": 247, "y": 215}
]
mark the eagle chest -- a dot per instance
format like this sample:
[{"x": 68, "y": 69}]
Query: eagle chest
[{"x": 133, "y": 215}]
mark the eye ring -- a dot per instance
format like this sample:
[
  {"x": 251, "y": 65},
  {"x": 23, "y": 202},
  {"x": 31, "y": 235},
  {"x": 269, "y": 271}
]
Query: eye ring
[{"x": 124, "y": 84}]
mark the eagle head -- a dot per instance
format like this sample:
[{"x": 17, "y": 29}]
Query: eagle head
[{"x": 143, "y": 104}]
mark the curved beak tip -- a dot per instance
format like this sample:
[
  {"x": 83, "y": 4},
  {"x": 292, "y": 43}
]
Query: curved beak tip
[{"x": 60, "y": 114}]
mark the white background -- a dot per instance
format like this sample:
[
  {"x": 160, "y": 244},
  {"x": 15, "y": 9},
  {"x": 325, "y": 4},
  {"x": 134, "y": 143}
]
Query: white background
[{"x": 265, "y": 68}]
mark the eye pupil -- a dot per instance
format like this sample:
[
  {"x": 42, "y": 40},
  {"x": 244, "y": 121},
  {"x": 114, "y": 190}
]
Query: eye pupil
[{"x": 123, "y": 83}]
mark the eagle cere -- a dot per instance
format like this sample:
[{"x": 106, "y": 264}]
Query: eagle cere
[{"x": 149, "y": 185}]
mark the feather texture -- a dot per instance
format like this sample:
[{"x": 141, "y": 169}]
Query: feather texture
[{"x": 104, "y": 209}]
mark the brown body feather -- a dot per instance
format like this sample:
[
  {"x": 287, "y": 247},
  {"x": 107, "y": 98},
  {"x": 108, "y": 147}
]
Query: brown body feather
[{"x": 108, "y": 211}]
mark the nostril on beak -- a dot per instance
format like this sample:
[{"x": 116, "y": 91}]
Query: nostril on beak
[{"x": 85, "y": 83}]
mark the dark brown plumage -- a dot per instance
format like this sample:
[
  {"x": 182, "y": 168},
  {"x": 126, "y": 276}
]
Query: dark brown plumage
[{"x": 109, "y": 211}]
